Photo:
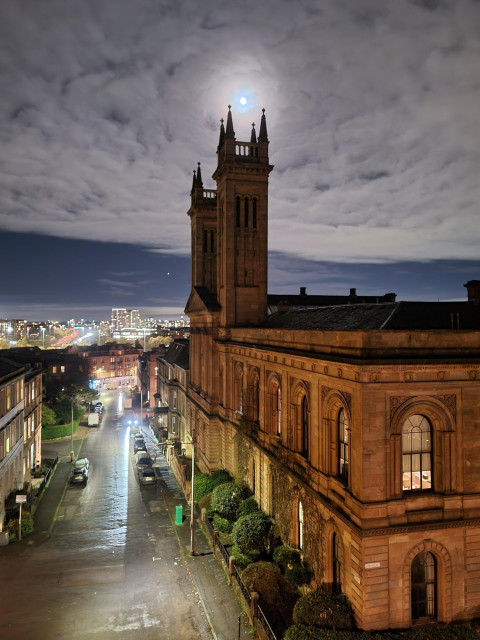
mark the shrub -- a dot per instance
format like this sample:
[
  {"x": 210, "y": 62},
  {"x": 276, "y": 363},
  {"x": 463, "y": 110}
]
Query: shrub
[
  {"x": 204, "y": 503},
  {"x": 286, "y": 557},
  {"x": 250, "y": 505},
  {"x": 222, "y": 524},
  {"x": 27, "y": 526},
  {"x": 202, "y": 484},
  {"x": 264, "y": 578},
  {"x": 325, "y": 610},
  {"x": 298, "y": 575},
  {"x": 226, "y": 499},
  {"x": 242, "y": 560},
  {"x": 220, "y": 477},
  {"x": 250, "y": 532},
  {"x": 449, "y": 632}
]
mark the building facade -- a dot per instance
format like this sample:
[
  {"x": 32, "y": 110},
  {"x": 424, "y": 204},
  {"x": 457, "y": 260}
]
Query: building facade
[
  {"x": 354, "y": 421},
  {"x": 20, "y": 427}
]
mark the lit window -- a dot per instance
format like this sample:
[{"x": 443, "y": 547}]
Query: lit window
[
  {"x": 423, "y": 588},
  {"x": 416, "y": 453},
  {"x": 300, "y": 525},
  {"x": 343, "y": 445}
]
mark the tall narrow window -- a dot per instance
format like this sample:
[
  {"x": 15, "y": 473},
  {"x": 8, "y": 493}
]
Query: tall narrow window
[
  {"x": 277, "y": 399},
  {"x": 343, "y": 430},
  {"x": 416, "y": 453},
  {"x": 246, "y": 212},
  {"x": 254, "y": 396},
  {"x": 237, "y": 211},
  {"x": 300, "y": 525},
  {"x": 337, "y": 564},
  {"x": 212, "y": 242},
  {"x": 423, "y": 592},
  {"x": 254, "y": 213},
  {"x": 239, "y": 389},
  {"x": 304, "y": 427}
]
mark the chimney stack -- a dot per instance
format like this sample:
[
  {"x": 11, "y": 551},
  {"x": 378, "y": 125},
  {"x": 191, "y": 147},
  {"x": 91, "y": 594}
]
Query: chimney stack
[{"x": 473, "y": 290}]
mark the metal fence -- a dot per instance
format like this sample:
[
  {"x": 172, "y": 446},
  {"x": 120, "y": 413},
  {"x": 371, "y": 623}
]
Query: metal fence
[
  {"x": 265, "y": 624},
  {"x": 262, "y": 619}
]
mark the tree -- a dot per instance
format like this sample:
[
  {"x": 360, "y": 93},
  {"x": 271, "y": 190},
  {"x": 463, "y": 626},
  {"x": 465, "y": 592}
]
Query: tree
[
  {"x": 4, "y": 344},
  {"x": 49, "y": 417}
]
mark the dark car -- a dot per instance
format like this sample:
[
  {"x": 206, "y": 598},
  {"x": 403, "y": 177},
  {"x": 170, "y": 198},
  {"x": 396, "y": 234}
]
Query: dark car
[
  {"x": 143, "y": 461},
  {"x": 139, "y": 445},
  {"x": 79, "y": 474},
  {"x": 146, "y": 475}
]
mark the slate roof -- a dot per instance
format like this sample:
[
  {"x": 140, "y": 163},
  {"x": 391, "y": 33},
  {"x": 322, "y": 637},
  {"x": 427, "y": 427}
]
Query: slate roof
[
  {"x": 383, "y": 316},
  {"x": 178, "y": 354},
  {"x": 9, "y": 367}
]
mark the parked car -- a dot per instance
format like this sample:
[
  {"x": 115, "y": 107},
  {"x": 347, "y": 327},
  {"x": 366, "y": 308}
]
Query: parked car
[
  {"x": 143, "y": 461},
  {"x": 79, "y": 474},
  {"x": 139, "y": 445},
  {"x": 93, "y": 419},
  {"x": 146, "y": 475}
]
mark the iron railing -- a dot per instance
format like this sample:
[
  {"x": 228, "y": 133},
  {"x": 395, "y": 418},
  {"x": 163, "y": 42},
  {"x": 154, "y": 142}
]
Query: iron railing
[{"x": 265, "y": 624}]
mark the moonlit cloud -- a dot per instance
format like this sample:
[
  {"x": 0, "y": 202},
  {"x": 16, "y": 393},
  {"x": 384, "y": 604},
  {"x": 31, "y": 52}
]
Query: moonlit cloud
[{"x": 373, "y": 113}]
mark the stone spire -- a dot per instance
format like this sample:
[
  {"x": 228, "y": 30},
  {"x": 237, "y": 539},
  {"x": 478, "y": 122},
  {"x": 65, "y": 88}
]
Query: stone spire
[
  {"x": 194, "y": 182},
  {"x": 199, "y": 178},
  {"x": 262, "y": 136},
  {"x": 253, "y": 137},
  {"x": 229, "y": 133},
  {"x": 222, "y": 135}
]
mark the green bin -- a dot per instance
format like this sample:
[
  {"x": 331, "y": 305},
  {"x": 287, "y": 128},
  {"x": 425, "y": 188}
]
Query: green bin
[{"x": 179, "y": 514}]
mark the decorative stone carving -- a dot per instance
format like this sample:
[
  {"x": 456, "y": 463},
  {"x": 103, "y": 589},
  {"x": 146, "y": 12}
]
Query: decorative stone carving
[{"x": 450, "y": 401}]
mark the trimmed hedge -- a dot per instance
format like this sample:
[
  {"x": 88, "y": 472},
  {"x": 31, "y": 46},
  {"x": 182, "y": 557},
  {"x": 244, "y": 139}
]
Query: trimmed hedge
[
  {"x": 250, "y": 505},
  {"x": 450, "y": 632},
  {"x": 325, "y": 610},
  {"x": 226, "y": 499},
  {"x": 297, "y": 576},
  {"x": 222, "y": 524},
  {"x": 250, "y": 532},
  {"x": 220, "y": 477},
  {"x": 242, "y": 560},
  {"x": 286, "y": 557},
  {"x": 264, "y": 578},
  {"x": 202, "y": 485}
]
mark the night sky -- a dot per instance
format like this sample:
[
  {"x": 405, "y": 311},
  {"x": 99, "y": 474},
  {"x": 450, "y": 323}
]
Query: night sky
[{"x": 373, "y": 115}]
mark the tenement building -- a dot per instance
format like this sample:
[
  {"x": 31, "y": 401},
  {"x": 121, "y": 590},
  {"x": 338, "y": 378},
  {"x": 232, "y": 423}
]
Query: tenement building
[{"x": 355, "y": 421}]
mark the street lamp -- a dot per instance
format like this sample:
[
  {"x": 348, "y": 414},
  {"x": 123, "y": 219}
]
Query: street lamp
[
  {"x": 43, "y": 337},
  {"x": 71, "y": 450}
]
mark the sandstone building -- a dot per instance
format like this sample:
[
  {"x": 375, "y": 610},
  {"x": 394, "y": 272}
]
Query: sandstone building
[{"x": 355, "y": 422}]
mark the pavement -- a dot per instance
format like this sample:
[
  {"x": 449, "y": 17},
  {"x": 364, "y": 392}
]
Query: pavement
[{"x": 221, "y": 607}]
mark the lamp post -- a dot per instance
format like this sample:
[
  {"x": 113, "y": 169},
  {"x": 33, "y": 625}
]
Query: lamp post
[
  {"x": 43, "y": 337},
  {"x": 71, "y": 450},
  {"x": 192, "y": 504}
]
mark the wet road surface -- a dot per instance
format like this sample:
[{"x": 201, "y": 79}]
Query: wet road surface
[{"x": 112, "y": 568}]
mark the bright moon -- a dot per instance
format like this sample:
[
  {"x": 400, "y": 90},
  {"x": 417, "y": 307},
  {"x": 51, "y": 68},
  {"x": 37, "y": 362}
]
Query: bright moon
[{"x": 243, "y": 101}]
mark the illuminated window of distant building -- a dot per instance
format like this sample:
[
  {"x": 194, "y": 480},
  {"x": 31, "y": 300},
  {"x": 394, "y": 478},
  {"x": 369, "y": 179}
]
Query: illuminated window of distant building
[
  {"x": 54, "y": 369},
  {"x": 343, "y": 431},
  {"x": 423, "y": 587},
  {"x": 416, "y": 453},
  {"x": 62, "y": 369}
]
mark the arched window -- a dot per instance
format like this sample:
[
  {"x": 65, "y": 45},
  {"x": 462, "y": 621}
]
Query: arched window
[
  {"x": 253, "y": 393},
  {"x": 239, "y": 388},
  {"x": 246, "y": 212},
  {"x": 424, "y": 587},
  {"x": 277, "y": 410},
  {"x": 300, "y": 525},
  {"x": 343, "y": 437},
  {"x": 237, "y": 211},
  {"x": 336, "y": 564},
  {"x": 304, "y": 427},
  {"x": 416, "y": 453}
]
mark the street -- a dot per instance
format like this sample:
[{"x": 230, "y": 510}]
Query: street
[{"x": 112, "y": 568}]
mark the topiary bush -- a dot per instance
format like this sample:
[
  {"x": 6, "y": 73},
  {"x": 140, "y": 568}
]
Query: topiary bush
[
  {"x": 242, "y": 560},
  {"x": 266, "y": 579},
  {"x": 286, "y": 557},
  {"x": 325, "y": 610},
  {"x": 220, "y": 477},
  {"x": 226, "y": 499},
  {"x": 250, "y": 533},
  {"x": 250, "y": 505},
  {"x": 297, "y": 576},
  {"x": 202, "y": 484},
  {"x": 222, "y": 524}
]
